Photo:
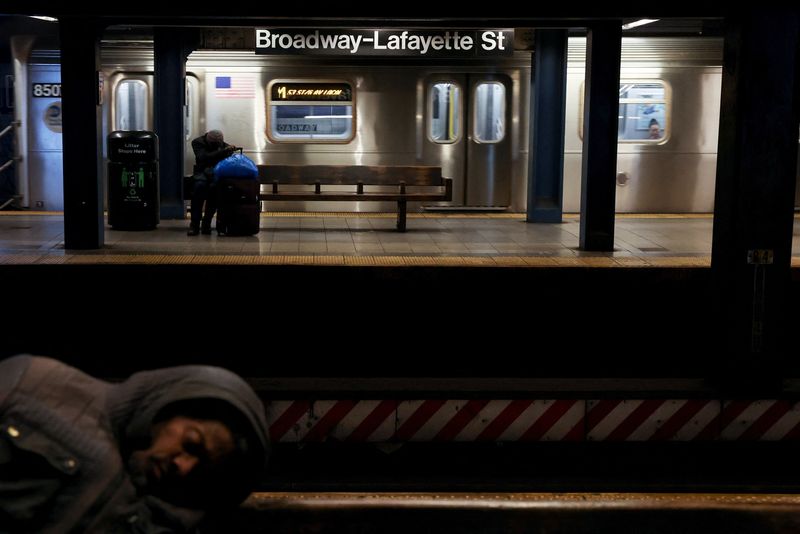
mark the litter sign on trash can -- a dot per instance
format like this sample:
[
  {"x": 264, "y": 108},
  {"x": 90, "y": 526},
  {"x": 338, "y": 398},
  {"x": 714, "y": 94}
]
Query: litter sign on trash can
[{"x": 133, "y": 195}]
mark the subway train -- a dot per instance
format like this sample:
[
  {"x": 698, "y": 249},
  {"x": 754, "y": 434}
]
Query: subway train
[{"x": 469, "y": 116}]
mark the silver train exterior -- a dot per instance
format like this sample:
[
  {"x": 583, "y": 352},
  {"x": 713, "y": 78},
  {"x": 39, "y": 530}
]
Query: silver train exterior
[{"x": 397, "y": 107}]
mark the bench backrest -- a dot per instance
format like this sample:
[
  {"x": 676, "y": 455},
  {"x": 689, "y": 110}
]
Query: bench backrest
[{"x": 350, "y": 174}]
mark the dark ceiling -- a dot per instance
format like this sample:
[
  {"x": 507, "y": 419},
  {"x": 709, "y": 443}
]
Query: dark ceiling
[{"x": 382, "y": 12}]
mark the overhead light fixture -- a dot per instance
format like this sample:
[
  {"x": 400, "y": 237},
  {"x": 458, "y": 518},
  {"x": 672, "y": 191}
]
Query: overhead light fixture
[
  {"x": 44, "y": 18},
  {"x": 640, "y": 22}
]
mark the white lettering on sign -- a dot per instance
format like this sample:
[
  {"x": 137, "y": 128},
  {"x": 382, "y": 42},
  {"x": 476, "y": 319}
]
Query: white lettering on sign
[
  {"x": 490, "y": 41},
  {"x": 46, "y": 90},
  {"x": 314, "y": 41},
  {"x": 423, "y": 42}
]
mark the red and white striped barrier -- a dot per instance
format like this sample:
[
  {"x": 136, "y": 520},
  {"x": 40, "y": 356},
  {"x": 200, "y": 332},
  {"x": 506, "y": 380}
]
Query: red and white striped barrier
[
  {"x": 436, "y": 420},
  {"x": 649, "y": 420}
]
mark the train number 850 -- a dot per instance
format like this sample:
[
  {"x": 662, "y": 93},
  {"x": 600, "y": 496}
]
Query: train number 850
[{"x": 47, "y": 90}]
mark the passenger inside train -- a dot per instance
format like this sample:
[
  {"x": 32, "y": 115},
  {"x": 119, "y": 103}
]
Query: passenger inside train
[
  {"x": 209, "y": 149},
  {"x": 156, "y": 452},
  {"x": 655, "y": 129}
]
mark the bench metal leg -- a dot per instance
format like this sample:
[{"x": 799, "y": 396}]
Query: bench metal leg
[{"x": 401, "y": 215}]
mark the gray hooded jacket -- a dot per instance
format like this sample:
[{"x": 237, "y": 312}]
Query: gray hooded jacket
[{"x": 61, "y": 437}]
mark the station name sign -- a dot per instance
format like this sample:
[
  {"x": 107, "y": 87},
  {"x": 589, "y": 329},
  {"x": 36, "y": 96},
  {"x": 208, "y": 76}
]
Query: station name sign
[{"x": 405, "y": 43}]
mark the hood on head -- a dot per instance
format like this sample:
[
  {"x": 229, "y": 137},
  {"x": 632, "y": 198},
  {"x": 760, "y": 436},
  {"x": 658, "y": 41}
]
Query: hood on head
[{"x": 135, "y": 404}]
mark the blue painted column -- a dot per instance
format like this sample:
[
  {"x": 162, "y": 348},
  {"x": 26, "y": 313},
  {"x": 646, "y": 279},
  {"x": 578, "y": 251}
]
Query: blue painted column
[
  {"x": 548, "y": 105},
  {"x": 170, "y": 97},
  {"x": 600, "y": 125},
  {"x": 83, "y": 188}
]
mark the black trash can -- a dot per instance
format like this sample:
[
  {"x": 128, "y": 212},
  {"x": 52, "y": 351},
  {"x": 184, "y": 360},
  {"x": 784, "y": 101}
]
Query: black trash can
[{"x": 133, "y": 195}]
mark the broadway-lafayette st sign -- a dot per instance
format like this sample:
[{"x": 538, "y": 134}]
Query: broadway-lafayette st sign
[{"x": 417, "y": 43}]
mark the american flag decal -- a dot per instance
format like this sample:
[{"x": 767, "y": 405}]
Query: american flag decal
[{"x": 234, "y": 87}]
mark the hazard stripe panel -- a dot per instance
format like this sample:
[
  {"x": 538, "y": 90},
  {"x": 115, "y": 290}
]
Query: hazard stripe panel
[{"x": 438, "y": 420}]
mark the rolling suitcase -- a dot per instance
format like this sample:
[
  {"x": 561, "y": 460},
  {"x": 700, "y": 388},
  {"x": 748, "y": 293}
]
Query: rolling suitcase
[{"x": 238, "y": 207}]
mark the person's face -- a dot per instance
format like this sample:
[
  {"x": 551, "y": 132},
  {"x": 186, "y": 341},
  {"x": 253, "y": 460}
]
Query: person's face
[
  {"x": 655, "y": 131},
  {"x": 182, "y": 449},
  {"x": 214, "y": 142}
]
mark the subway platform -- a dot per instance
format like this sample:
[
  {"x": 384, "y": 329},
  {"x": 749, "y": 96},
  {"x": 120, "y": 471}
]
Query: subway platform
[
  {"x": 350, "y": 284},
  {"x": 370, "y": 239}
]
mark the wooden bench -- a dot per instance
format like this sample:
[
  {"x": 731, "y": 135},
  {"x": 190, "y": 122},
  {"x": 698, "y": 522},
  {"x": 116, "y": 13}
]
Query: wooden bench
[{"x": 427, "y": 182}]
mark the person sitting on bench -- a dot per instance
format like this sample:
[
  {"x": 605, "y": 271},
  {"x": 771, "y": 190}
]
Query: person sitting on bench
[{"x": 209, "y": 149}]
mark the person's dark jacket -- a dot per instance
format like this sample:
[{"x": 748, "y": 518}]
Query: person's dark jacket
[
  {"x": 62, "y": 433},
  {"x": 207, "y": 156}
]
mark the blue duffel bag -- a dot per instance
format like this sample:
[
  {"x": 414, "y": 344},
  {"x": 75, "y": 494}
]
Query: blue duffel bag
[{"x": 236, "y": 166}]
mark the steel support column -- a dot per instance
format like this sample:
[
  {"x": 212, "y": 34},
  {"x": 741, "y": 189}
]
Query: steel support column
[
  {"x": 81, "y": 132},
  {"x": 548, "y": 105},
  {"x": 755, "y": 185},
  {"x": 600, "y": 111},
  {"x": 170, "y": 98}
]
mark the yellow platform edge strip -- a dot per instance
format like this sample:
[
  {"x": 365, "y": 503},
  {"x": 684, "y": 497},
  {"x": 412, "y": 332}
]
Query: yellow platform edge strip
[{"x": 376, "y": 261}]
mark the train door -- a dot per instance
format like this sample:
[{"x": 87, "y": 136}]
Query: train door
[
  {"x": 489, "y": 145},
  {"x": 45, "y": 163},
  {"x": 191, "y": 121},
  {"x": 468, "y": 116},
  {"x": 131, "y": 105},
  {"x": 132, "y": 108},
  {"x": 446, "y": 145}
]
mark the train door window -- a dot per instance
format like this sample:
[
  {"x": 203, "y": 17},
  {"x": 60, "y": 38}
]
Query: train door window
[
  {"x": 310, "y": 112},
  {"x": 188, "y": 109},
  {"x": 490, "y": 112},
  {"x": 444, "y": 116},
  {"x": 130, "y": 103},
  {"x": 642, "y": 112}
]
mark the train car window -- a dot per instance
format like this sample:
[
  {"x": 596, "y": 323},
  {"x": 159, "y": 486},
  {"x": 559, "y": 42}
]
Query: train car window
[
  {"x": 643, "y": 112},
  {"x": 310, "y": 112},
  {"x": 490, "y": 112},
  {"x": 130, "y": 104},
  {"x": 444, "y": 112}
]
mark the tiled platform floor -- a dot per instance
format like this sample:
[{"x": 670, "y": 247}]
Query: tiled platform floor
[{"x": 370, "y": 239}]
